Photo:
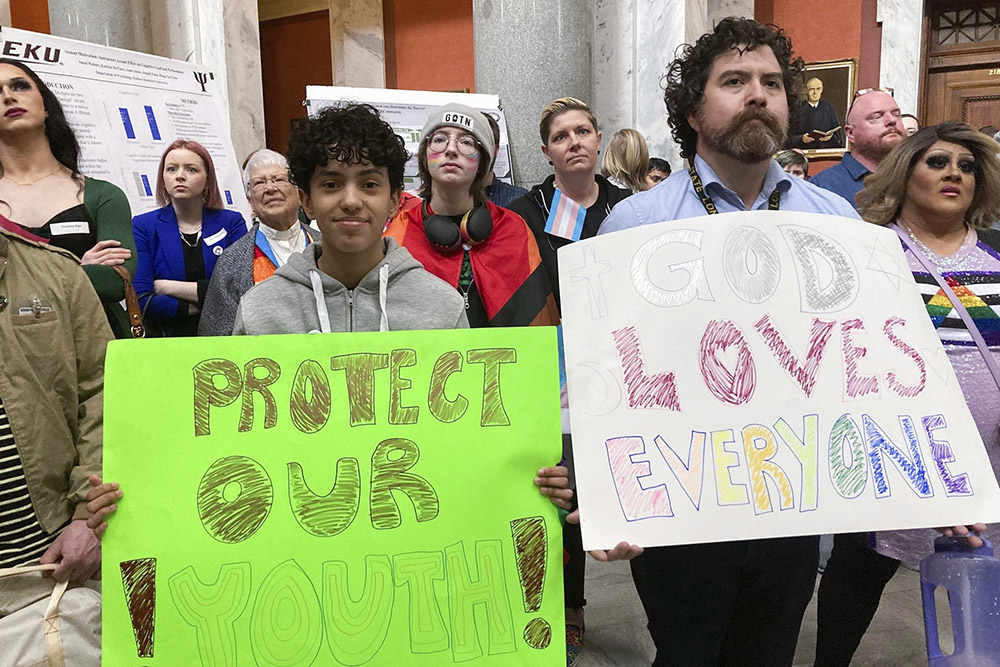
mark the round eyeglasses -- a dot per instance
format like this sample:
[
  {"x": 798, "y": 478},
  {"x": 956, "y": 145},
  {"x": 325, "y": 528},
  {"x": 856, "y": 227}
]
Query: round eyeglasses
[{"x": 466, "y": 143}]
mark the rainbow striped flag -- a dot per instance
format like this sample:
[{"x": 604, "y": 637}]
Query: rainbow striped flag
[{"x": 565, "y": 217}]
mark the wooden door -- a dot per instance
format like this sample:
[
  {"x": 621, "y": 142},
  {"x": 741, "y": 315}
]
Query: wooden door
[{"x": 962, "y": 58}]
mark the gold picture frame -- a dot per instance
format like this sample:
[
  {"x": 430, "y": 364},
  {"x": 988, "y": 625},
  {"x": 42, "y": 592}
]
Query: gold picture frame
[{"x": 839, "y": 80}]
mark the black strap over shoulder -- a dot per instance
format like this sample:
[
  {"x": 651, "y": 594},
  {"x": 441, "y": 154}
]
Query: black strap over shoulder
[{"x": 772, "y": 201}]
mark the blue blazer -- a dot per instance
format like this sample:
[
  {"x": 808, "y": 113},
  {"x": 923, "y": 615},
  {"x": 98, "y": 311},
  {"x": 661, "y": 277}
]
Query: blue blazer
[{"x": 161, "y": 255}]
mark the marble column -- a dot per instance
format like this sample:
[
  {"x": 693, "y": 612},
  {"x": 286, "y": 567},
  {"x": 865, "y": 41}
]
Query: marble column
[
  {"x": 174, "y": 35},
  {"x": 529, "y": 53},
  {"x": 5, "y": 12},
  {"x": 357, "y": 43},
  {"x": 614, "y": 62},
  {"x": 223, "y": 36},
  {"x": 103, "y": 23},
  {"x": 634, "y": 44},
  {"x": 241, "y": 49},
  {"x": 716, "y": 10},
  {"x": 902, "y": 22},
  {"x": 661, "y": 28}
]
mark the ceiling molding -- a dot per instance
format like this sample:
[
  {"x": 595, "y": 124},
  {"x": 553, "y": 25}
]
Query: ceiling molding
[{"x": 277, "y": 9}]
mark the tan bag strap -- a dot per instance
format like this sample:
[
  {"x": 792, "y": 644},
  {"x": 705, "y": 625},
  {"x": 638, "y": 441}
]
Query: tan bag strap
[
  {"x": 131, "y": 303},
  {"x": 25, "y": 569},
  {"x": 50, "y": 624}
]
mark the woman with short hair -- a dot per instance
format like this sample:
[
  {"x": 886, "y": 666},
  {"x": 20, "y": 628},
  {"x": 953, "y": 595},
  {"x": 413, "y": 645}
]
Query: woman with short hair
[{"x": 570, "y": 141}]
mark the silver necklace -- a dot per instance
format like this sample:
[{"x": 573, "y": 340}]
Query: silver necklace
[
  {"x": 197, "y": 238},
  {"x": 949, "y": 262}
]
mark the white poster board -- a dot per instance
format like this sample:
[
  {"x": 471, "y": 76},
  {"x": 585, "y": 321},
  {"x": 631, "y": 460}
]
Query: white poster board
[
  {"x": 761, "y": 374},
  {"x": 126, "y": 108},
  {"x": 407, "y": 111}
]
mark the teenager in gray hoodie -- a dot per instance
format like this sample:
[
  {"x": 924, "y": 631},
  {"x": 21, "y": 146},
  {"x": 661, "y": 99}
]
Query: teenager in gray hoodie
[{"x": 348, "y": 166}]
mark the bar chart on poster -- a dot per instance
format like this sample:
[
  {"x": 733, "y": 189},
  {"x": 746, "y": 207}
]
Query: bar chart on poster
[{"x": 126, "y": 108}]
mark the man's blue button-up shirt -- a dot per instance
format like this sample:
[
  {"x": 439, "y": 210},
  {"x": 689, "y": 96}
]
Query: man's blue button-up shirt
[
  {"x": 846, "y": 179},
  {"x": 675, "y": 198}
]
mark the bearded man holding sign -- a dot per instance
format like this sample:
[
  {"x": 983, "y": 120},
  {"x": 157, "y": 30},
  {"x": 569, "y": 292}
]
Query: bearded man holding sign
[{"x": 722, "y": 595}]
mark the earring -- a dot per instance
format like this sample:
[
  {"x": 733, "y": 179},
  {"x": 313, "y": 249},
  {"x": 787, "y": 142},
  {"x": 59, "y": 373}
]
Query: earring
[{"x": 550, "y": 163}]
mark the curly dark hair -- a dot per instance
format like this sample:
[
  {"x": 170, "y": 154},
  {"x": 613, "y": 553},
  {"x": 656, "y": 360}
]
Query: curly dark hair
[
  {"x": 347, "y": 133},
  {"x": 688, "y": 73},
  {"x": 62, "y": 141}
]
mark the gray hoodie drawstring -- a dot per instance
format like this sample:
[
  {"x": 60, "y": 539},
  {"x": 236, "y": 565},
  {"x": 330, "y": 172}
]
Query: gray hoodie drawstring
[
  {"x": 321, "y": 310},
  {"x": 383, "y": 288}
]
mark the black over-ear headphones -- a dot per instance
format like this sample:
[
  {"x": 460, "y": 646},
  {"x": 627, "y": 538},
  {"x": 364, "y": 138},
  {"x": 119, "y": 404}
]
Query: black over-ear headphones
[{"x": 475, "y": 227}]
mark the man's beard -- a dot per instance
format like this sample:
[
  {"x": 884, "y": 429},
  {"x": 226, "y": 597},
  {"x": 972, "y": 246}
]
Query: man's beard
[
  {"x": 877, "y": 149},
  {"x": 745, "y": 141}
]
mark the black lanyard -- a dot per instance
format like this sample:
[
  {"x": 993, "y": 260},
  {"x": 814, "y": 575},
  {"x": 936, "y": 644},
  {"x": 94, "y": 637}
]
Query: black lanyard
[{"x": 706, "y": 201}]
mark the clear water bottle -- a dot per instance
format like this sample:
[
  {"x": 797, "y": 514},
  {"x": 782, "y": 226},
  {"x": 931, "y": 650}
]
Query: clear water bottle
[{"x": 972, "y": 579}]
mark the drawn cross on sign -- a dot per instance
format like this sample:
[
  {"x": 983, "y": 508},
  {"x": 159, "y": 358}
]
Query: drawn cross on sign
[{"x": 591, "y": 271}]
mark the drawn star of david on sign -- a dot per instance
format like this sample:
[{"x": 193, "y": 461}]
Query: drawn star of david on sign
[
  {"x": 591, "y": 271},
  {"x": 890, "y": 264}
]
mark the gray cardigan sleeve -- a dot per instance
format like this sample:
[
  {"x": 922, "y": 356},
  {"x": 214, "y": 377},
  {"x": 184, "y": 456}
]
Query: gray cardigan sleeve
[{"x": 232, "y": 277}]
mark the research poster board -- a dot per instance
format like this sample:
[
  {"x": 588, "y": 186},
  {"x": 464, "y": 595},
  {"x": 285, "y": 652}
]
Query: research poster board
[
  {"x": 761, "y": 374},
  {"x": 126, "y": 108},
  {"x": 333, "y": 499},
  {"x": 407, "y": 111}
]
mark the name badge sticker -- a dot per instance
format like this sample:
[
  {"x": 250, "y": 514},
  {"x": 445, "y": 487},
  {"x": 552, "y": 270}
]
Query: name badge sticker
[
  {"x": 216, "y": 237},
  {"x": 75, "y": 227}
]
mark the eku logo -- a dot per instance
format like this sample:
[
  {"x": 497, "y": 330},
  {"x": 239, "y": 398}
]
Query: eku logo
[{"x": 27, "y": 51}]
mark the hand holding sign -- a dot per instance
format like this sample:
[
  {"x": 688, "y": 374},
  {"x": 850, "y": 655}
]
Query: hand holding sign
[
  {"x": 340, "y": 499},
  {"x": 771, "y": 369}
]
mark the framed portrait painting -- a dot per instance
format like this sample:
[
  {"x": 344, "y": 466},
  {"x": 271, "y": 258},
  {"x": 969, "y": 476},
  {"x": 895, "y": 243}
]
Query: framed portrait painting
[{"x": 817, "y": 129}]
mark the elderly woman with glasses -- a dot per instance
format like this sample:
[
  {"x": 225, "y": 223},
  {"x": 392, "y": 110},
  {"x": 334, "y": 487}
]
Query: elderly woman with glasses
[
  {"x": 276, "y": 234},
  {"x": 937, "y": 189},
  {"x": 484, "y": 251}
]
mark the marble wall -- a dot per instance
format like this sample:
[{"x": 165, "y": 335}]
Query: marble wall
[
  {"x": 357, "y": 43},
  {"x": 716, "y": 10},
  {"x": 173, "y": 30},
  {"x": 529, "y": 53},
  {"x": 246, "y": 89},
  {"x": 611, "y": 53},
  {"x": 661, "y": 28},
  {"x": 103, "y": 23},
  {"x": 613, "y": 65},
  {"x": 634, "y": 43},
  {"x": 902, "y": 23}
]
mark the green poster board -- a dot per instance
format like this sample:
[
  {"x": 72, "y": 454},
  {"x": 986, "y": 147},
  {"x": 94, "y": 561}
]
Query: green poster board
[{"x": 340, "y": 499}]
